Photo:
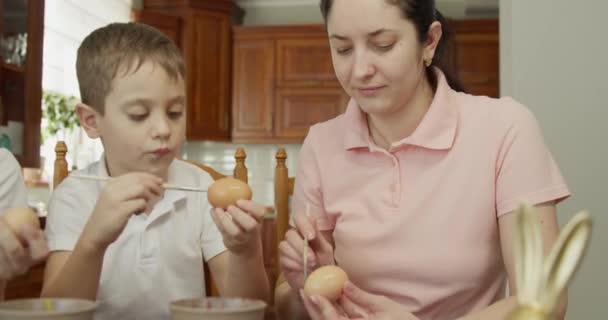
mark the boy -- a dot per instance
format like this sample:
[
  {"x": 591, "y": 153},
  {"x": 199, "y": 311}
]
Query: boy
[
  {"x": 15, "y": 258},
  {"x": 127, "y": 242}
]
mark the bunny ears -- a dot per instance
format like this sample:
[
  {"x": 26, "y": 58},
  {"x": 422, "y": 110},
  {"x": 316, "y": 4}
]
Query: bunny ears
[{"x": 540, "y": 281}]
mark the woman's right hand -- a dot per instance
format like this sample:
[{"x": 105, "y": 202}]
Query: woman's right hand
[
  {"x": 15, "y": 257},
  {"x": 291, "y": 250}
]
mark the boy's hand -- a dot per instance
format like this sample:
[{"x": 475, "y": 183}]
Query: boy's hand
[
  {"x": 239, "y": 225},
  {"x": 121, "y": 197},
  {"x": 291, "y": 251},
  {"x": 16, "y": 258}
]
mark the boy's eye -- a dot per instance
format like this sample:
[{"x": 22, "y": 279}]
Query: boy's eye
[
  {"x": 175, "y": 114},
  {"x": 138, "y": 116}
]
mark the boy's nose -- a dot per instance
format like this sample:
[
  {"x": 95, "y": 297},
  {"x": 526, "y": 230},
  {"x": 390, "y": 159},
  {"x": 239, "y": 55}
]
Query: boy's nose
[{"x": 162, "y": 129}]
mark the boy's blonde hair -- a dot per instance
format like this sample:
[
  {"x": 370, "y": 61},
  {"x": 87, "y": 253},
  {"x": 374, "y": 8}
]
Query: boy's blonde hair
[{"x": 122, "y": 46}]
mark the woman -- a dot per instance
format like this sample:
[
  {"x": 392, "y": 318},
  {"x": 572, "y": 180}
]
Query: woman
[
  {"x": 15, "y": 258},
  {"x": 411, "y": 190}
]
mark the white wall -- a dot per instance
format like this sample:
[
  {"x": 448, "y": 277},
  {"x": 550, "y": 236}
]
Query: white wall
[
  {"x": 553, "y": 59},
  {"x": 66, "y": 23}
]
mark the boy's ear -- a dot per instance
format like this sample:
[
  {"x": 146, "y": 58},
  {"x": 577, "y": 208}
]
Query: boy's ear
[{"x": 89, "y": 120}]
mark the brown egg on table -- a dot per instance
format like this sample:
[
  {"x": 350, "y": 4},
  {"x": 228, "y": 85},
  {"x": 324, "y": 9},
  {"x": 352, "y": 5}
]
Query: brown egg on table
[
  {"x": 327, "y": 281},
  {"x": 227, "y": 191},
  {"x": 16, "y": 218}
]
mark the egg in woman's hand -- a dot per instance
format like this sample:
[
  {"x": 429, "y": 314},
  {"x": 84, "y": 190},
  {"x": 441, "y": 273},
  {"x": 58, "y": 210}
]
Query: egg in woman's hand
[
  {"x": 227, "y": 191},
  {"x": 16, "y": 218},
  {"x": 327, "y": 281}
]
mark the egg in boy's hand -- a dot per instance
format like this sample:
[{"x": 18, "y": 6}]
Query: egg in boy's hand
[
  {"x": 227, "y": 191},
  {"x": 236, "y": 216}
]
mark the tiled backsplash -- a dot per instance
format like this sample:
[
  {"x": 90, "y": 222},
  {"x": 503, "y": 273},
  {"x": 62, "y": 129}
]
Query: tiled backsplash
[{"x": 260, "y": 163}]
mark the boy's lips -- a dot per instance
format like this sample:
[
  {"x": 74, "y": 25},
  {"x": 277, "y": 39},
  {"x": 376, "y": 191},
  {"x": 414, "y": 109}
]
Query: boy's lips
[{"x": 161, "y": 152}]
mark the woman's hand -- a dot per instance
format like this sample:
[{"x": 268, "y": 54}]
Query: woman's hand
[
  {"x": 16, "y": 258},
  {"x": 291, "y": 250},
  {"x": 356, "y": 304}
]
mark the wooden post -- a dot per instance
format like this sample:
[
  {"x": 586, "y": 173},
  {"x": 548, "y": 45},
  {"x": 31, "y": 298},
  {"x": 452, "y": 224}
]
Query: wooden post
[
  {"x": 61, "y": 165},
  {"x": 240, "y": 170},
  {"x": 281, "y": 195}
]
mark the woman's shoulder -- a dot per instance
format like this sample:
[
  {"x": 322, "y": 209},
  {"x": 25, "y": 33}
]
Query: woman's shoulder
[
  {"x": 503, "y": 112},
  {"x": 328, "y": 134}
]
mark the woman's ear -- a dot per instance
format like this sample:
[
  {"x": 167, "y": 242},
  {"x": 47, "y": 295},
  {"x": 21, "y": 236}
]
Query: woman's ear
[
  {"x": 89, "y": 120},
  {"x": 432, "y": 41}
]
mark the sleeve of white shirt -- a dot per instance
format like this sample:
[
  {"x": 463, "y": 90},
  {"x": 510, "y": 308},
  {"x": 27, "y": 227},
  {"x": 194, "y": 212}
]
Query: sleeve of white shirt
[
  {"x": 68, "y": 211},
  {"x": 12, "y": 187},
  {"x": 212, "y": 242}
]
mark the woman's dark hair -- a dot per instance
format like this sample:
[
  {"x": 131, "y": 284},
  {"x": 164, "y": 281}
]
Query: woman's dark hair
[{"x": 423, "y": 13}]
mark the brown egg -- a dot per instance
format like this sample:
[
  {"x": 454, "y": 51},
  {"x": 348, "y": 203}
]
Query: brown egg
[
  {"x": 327, "y": 281},
  {"x": 16, "y": 218},
  {"x": 226, "y": 191}
]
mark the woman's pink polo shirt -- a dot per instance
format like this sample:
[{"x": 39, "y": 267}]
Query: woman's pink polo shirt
[{"x": 418, "y": 223}]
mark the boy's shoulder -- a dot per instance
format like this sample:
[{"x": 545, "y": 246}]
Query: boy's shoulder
[{"x": 80, "y": 190}]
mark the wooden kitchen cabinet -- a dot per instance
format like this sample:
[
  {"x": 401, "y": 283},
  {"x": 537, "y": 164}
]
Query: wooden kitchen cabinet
[
  {"x": 283, "y": 82},
  {"x": 299, "y": 108},
  {"x": 21, "y": 83},
  {"x": 252, "y": 90},
  {"x": 304, "y": 62},
  {"x": 476, "y": 55},
  {"x": 283, "y": 78},
  {"x": 202, "y": 30}
]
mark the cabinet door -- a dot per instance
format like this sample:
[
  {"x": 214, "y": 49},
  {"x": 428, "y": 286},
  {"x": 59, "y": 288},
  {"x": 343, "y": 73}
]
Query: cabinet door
[
  {"x": 253, "y": 85},
  {"x": 207, "y": 50},
  {"x": 21, "y": 76},
  {"x": 299, "y": 108},
  {"x": 171, "y": 26},
  {"x": 304, "y": 62},
  {"x": 476, "y": 55}
]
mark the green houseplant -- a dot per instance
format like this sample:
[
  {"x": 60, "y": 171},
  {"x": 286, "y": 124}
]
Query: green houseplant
[{"x": 58, "y": 111}]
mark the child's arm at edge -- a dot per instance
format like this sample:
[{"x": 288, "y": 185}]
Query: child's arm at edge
[
  {"x": 62, "y": 267},
  {"x": 241, "y": 275}
]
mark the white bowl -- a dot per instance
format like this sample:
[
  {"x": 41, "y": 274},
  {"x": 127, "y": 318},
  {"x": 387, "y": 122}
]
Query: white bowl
[
  {"x": 48, "y": 309},
  {"x": 217, "y": 308}
]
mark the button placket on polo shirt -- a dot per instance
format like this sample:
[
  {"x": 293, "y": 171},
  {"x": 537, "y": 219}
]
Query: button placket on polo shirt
[
  {"x": 146, "y": 249},
  {"x": 149, "y": 239},
  {"x": 394, "y": 186}
]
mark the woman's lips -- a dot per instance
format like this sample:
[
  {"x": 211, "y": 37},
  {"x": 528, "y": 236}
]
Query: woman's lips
[{"x": 370, "y": 91}]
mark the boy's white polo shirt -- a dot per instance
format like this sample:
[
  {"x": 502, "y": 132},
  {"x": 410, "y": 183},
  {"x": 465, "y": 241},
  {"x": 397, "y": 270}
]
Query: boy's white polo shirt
[
  {"x": 157, "y": 258},
  {"x": 12, "y": 188}
]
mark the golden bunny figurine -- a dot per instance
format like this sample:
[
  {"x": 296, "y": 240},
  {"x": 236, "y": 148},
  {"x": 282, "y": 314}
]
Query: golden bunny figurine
[{"x": 541, "y": 281}]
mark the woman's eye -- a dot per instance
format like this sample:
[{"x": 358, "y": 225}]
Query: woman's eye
[
  {"x": 385, "y": 47},
  {"x": 343, "y": 50}
]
